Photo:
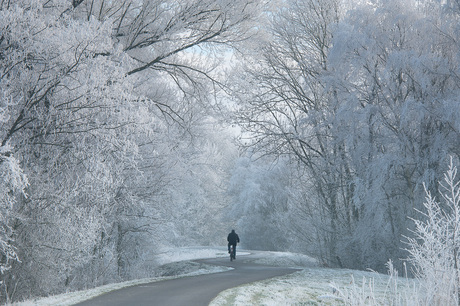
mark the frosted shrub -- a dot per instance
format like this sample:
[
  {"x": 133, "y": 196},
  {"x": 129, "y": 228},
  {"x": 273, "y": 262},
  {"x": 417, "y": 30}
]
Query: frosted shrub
[
  {"x": 381, "y": 290},
  {"x": 12, "y": 182},
  {"x": 433, "y": 251},
  {"x": 434, "y": 247}
]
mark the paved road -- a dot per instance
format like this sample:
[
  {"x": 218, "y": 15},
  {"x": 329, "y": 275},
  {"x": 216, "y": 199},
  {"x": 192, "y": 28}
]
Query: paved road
[{"x": 195, "y": 290}]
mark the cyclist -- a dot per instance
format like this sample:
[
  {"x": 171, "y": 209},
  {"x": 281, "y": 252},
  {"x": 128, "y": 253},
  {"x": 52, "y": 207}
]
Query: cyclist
[{"x": 233, "y": 239}]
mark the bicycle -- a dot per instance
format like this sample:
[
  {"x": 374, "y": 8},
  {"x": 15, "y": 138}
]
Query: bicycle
[{"x": 232, "y": 253}]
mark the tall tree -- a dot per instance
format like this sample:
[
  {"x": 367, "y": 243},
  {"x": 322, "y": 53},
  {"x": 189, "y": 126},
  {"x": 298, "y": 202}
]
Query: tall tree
[{"x": 287, "y": 112}]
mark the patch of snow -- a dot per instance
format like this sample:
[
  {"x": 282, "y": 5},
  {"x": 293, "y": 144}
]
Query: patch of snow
[
  {"x": 169, "y": 255},
  {"x": 284, "y": 259}
]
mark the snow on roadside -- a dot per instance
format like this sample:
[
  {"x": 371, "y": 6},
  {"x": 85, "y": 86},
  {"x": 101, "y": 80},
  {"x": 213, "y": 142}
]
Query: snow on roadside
[
  {"x": 283, "y": 259},
  {"x": 169, "y": 255}
]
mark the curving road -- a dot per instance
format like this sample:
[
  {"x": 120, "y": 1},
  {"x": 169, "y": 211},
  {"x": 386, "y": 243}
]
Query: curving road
[{"x": 195, "y": 290}]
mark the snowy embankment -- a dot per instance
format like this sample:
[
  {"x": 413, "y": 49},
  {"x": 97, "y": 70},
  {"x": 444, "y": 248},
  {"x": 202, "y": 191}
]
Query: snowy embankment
[
  {"x": 323, "y": 286},
  {"x": 312, "y": 284}
]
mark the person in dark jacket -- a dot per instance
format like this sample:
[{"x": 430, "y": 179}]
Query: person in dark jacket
[{"x": 233, "y": 239}]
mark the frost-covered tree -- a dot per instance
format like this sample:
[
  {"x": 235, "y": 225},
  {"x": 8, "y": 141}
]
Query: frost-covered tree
[
  {"x": 286, "y": 108},
  {"x": 70, "y": 118}
]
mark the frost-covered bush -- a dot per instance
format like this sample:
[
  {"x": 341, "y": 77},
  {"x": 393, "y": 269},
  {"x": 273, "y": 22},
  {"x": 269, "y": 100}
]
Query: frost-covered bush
[
  {"x": 391, "y": 290},
  {"x": 433, "y": 250},
  {"x": 435, "y": 245},
  {"x": 12, "y": 182}
]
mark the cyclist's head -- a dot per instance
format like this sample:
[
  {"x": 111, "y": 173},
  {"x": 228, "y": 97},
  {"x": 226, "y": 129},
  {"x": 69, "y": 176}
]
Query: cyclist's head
[{"x": 233, "y": 230}]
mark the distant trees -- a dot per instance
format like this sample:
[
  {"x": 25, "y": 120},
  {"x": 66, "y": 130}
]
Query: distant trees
[
  {"x": 259, "y": 196},
  {"x": 363, "y": 100}
]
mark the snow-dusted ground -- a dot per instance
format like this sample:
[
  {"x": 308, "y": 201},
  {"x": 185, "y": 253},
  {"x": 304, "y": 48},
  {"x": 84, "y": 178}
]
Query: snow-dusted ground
[
  {"x": 322, "y": 286},
  {"x": 310, "y": 286}
]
